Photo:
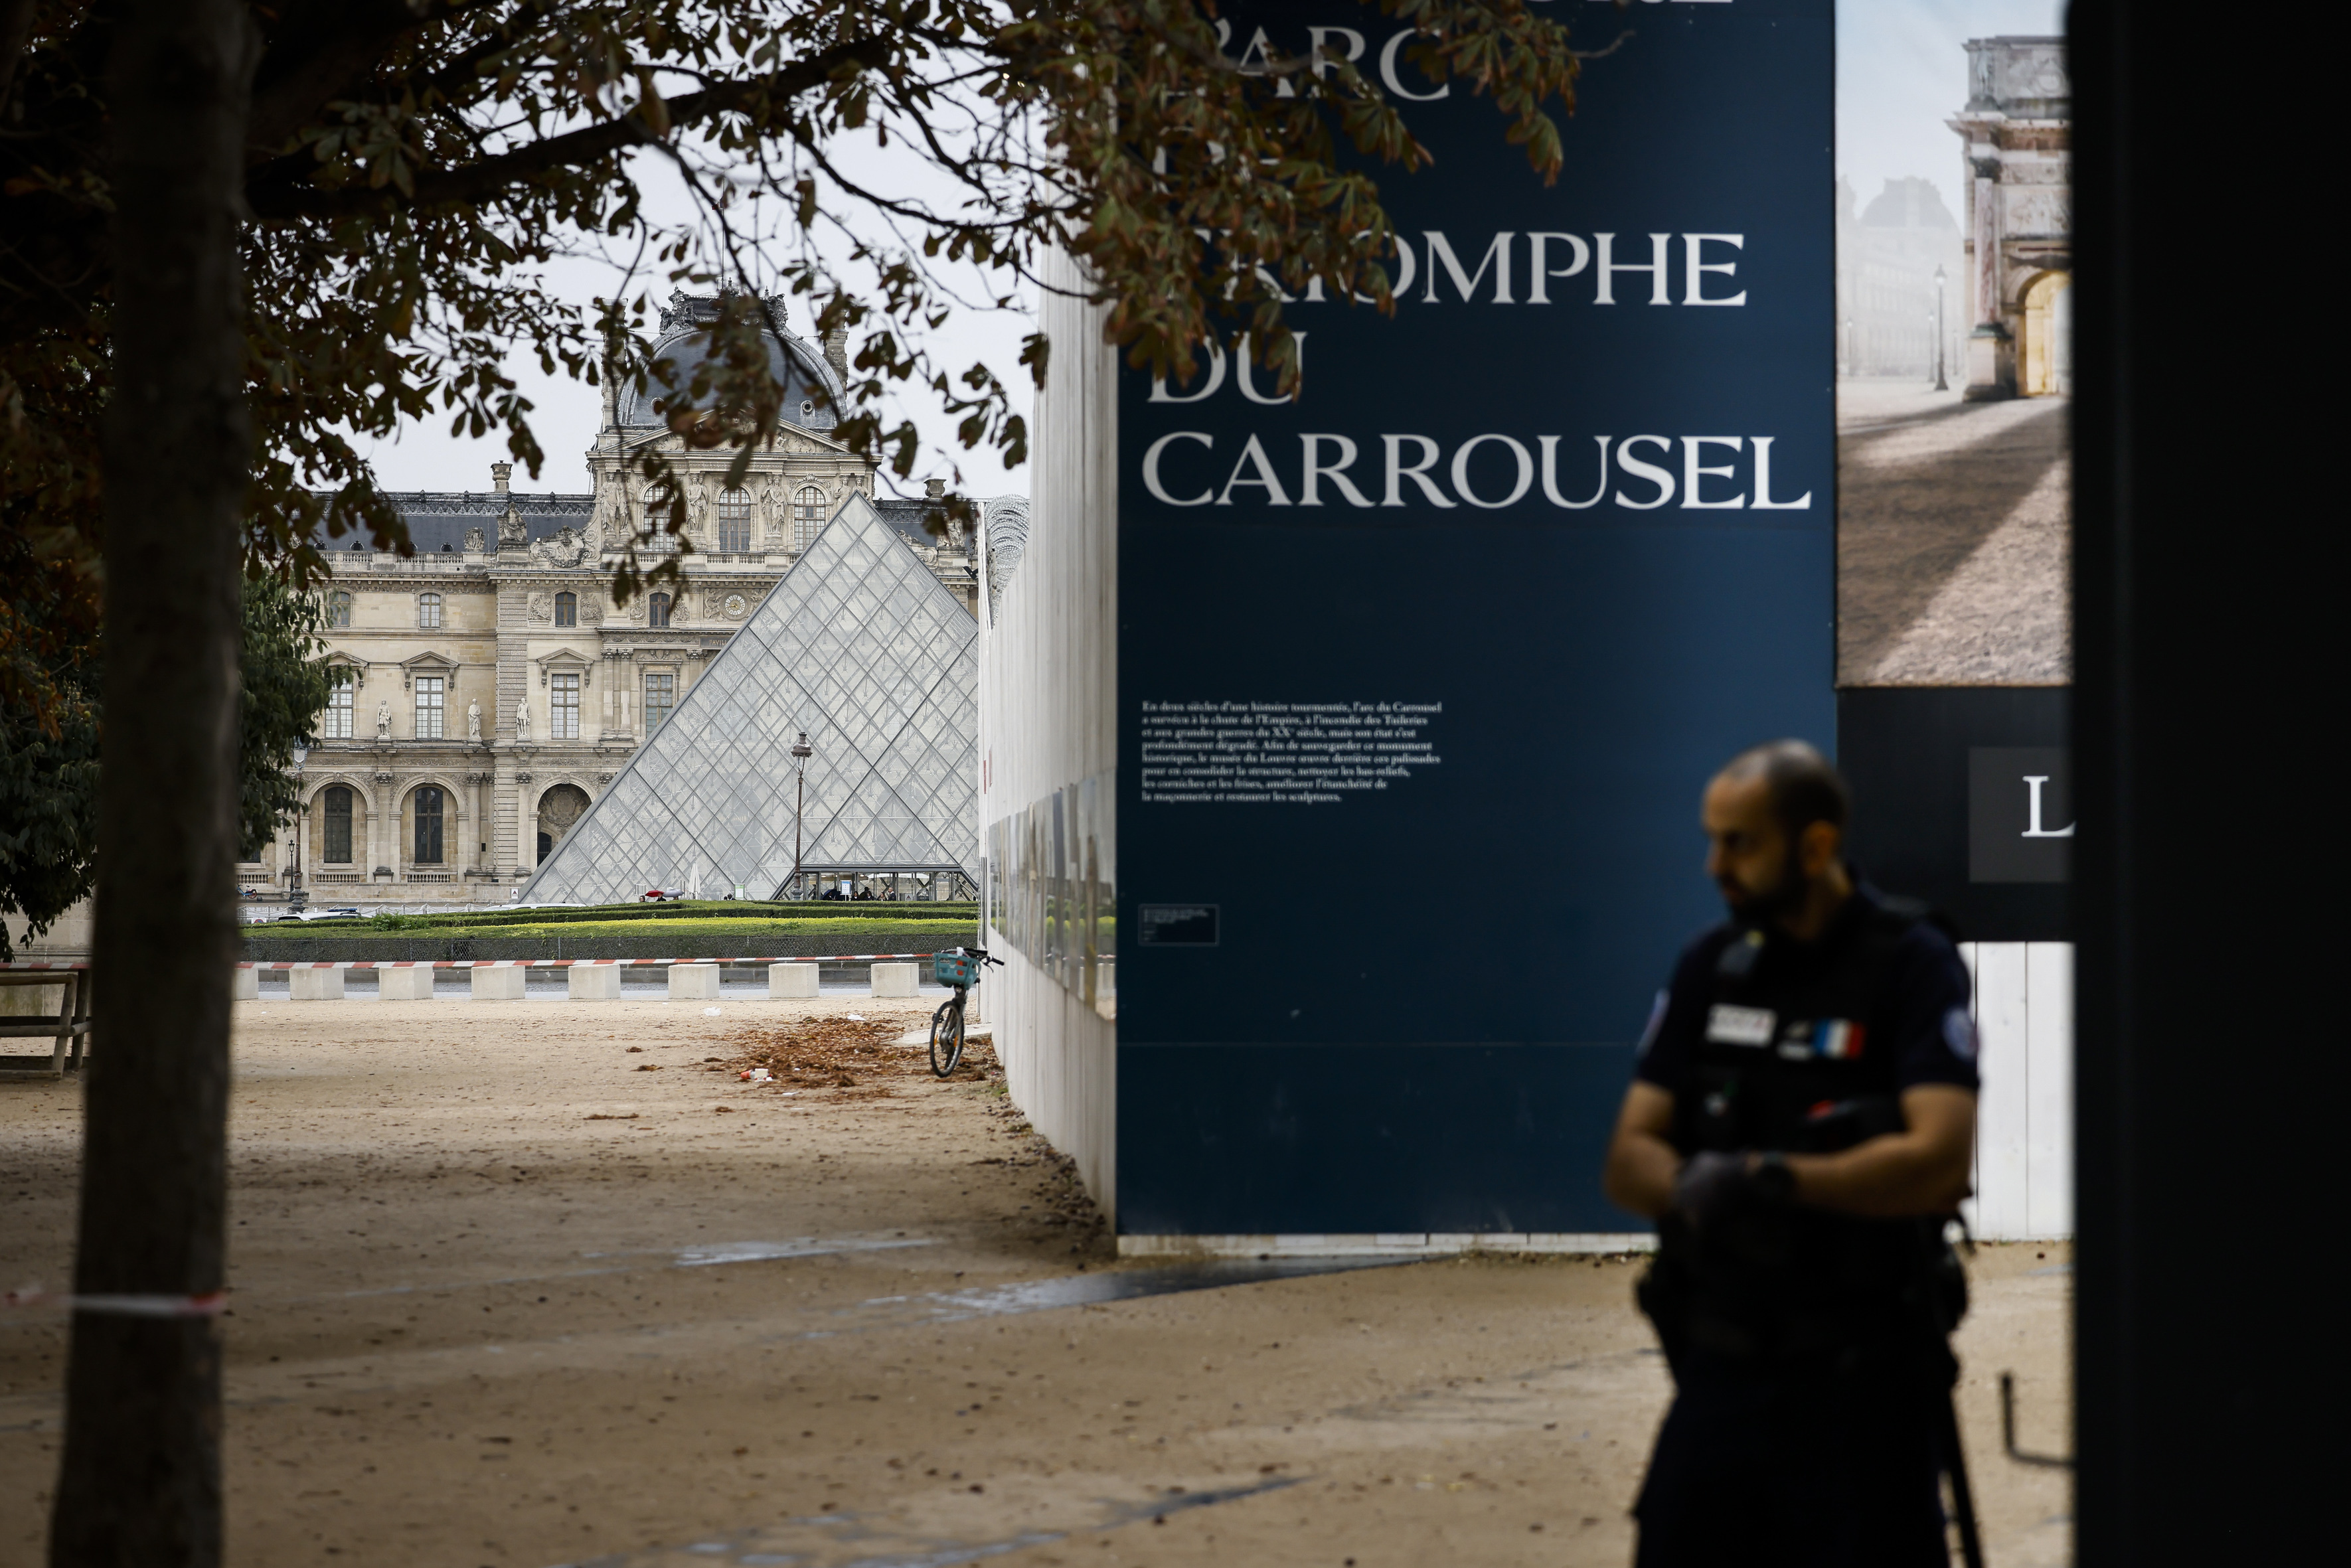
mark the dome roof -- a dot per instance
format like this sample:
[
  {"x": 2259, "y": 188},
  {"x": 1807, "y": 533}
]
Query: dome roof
[{"x": 812, "y": 392}]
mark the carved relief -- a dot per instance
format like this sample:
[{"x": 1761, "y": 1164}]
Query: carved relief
[
  {"x": 566, "y": 549},
  {"x": 542, "y": 608}
]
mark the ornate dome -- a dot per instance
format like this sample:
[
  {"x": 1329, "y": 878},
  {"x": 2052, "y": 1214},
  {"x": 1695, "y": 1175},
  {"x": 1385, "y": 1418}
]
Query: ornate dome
[{"x": 812, "y": 391}]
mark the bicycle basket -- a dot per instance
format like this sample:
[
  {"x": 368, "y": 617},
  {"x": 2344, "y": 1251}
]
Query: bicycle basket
[{"x": 952, "y": 968}]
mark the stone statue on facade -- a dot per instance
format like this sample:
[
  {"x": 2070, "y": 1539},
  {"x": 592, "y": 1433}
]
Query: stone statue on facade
[
  {"x": 522, "y": 719},
  {"x": 512, "y": 533},
  {"x": 383, "y": 719},
  {"x": 473, "y": 721},
  {"x": 476, "y": 542}
]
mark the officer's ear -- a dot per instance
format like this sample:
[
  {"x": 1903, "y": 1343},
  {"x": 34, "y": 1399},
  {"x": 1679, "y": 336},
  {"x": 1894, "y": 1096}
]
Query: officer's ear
[{"x": 1817, "y": 847}]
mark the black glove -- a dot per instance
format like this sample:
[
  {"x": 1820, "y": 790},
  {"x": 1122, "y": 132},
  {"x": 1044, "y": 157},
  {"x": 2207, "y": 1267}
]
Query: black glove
[{"x": 1714, "y": 1186}]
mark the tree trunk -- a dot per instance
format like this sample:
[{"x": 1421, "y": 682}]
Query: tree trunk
[{"x": 142, "y": 1478}]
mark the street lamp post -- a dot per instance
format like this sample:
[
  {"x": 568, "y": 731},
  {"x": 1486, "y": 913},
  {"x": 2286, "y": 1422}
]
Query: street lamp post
[
  {"x": 801, "y": 752},
  {"x": 301, "y": 821},
  {"x": 1940, "y": 384}
]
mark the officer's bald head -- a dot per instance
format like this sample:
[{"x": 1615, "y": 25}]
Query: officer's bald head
[{"x": 1801, "y": 785}]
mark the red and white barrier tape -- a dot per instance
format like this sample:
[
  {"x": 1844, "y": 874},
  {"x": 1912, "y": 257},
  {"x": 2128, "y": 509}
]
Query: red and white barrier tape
[
  {"x": 572, "y": 963},
  {"x": 210, "y": 1304},
  {"x": 533, "y": 963}
]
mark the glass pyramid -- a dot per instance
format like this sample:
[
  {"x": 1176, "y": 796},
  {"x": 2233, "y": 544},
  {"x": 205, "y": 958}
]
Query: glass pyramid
[{"x": 863, "y": 648}]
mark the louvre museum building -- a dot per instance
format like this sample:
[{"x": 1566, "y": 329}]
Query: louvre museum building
[{"x": 490, "y": 694}]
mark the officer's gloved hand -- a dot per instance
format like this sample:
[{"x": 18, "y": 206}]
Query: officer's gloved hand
[
  {"x": 1711, "y": 1186},
  {"x": 1715, "y": 1187}
]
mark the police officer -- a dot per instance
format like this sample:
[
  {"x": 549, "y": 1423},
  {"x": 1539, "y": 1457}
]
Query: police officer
[{"x": 1799, "y": 1124}]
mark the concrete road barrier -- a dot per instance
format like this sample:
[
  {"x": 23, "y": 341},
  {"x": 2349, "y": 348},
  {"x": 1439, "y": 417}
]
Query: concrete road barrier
[
  {"x": 404, "y": 984},
  {"x": 595, "y": 983},
  {"x": 896, "y": 979},
  {"x": 249, "y": 985},
  {"x": 498, "y": 985},
  {"x": 314, "y": 985},
  {"x": 791, "y": 981},
  {"x": 693, "y": 982}
]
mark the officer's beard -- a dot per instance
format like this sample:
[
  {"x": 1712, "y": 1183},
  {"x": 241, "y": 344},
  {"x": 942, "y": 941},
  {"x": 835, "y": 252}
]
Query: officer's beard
[{"x": 1763, "y": 906}]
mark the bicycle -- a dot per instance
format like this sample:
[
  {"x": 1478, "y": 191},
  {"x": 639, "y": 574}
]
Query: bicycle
[{"x": 961, "y": 969}]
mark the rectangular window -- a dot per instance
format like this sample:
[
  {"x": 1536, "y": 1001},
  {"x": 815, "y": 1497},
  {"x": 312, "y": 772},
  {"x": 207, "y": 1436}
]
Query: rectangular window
[
  {"x": 339, "y": 826},
  {"x": 566, "y": 609},
  {"x": 428, "y": 611},
  {"x": 428, "y": 707},
  {"x": 428, "y": 825},
  {"x": 661, "y": 695},
  {"x": 563, "y": 707},
  {"x": 335, "y": 724}
]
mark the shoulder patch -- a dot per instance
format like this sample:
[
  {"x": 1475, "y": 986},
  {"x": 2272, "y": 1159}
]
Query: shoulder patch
[
  {"x": 1657, "y": 1022},
  {"x": 1959, "y": 1033}
]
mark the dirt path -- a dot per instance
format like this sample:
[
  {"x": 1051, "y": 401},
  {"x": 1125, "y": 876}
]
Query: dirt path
[{"x": 503, "y": 1297}]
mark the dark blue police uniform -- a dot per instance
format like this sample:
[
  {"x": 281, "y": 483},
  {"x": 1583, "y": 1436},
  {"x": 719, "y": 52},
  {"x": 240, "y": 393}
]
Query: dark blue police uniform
[{"x": 1807, "y": 1347}]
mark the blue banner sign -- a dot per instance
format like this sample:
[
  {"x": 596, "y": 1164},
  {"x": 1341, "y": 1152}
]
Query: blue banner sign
[{"x": 1421, "y": 672}]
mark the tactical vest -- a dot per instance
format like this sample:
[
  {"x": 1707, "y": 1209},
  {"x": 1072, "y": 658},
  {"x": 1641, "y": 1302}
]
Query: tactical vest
[{"x": 1795, "y": 1058}]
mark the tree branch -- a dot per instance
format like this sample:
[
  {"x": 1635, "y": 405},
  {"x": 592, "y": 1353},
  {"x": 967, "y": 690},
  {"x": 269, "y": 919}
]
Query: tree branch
[
  {"x": 309, "y": 66},
  {"x": 281, "y": 198}
]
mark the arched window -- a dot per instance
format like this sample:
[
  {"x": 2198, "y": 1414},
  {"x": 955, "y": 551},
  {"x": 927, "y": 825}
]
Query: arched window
[
  {"x": 338, "y": 802},
  {"x": 428, "y": 799},
  {"x": 428, "y": 611},
  {"x": 335, "y": 724},
  {"x": 566, "y": 609},
  {"x": 808, "y": 516},
  {"x": 657, "y": 610},
  {"x": 734, "y": 522},
  {"x": 338, "y": 610}
]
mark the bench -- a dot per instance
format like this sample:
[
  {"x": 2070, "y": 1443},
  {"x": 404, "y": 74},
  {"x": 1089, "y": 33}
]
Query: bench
[{"x": 64, "y": 1032}]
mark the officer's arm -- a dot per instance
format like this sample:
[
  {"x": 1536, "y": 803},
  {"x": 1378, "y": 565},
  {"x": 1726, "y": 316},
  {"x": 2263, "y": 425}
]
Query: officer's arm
[
  {"x": 1921, "y": 1170},
  {"x": 1640, "y": 1164}
]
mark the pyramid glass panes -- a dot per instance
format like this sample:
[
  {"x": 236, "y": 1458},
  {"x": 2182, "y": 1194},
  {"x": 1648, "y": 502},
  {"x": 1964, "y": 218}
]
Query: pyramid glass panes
[{"x": 860, "y": 646}]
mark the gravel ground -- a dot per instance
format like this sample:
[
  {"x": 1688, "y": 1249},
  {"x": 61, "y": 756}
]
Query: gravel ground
[
  {"x": 1953, "y": 533},
  {"x": 503, "y": 1297}
]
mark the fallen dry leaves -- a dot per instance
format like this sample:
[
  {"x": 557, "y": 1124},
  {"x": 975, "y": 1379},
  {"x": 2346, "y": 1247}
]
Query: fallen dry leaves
[{"x": 841, "y": 1055}]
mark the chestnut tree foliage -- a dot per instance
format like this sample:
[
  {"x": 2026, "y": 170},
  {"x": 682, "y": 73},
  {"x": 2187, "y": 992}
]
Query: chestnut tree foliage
[{"x": 411, "y": 163}]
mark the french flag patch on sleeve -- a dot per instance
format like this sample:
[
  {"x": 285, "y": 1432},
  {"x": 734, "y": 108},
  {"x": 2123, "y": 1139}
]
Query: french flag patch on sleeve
[{"x": 1838, "y": 1039}]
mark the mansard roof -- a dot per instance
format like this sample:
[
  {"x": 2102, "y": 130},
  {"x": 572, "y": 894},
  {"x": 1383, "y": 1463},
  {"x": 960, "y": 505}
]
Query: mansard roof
[{"x": 438, "y": 519}]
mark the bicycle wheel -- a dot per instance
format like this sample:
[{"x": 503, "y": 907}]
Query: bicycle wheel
[{"x": 947, "y": 1036}]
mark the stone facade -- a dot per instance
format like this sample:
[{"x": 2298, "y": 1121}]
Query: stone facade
[
  {"x": 2017, "y": 133},
  {"x": 500, "y": 632},
  {"x": 1889, "y": 297}
]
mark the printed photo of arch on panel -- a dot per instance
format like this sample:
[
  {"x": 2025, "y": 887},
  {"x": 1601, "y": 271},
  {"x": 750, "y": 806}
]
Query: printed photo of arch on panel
[{"x": 1954, "y": 366}]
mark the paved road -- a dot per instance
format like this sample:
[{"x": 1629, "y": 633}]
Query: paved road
[{"x": 1953, "y": 531}]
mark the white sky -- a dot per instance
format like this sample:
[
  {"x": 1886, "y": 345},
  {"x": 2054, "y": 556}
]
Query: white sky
[
  {"x": 425, "y": 457},
  {"x": 1901, "y": 72}
]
